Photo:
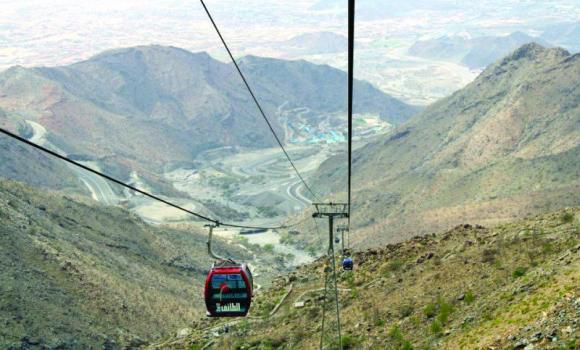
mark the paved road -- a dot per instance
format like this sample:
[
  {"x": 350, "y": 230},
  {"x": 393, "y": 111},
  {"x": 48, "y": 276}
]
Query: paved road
[
  {"x": 280, "y": 178},
  {"x": 38, "y": 133},
  {"x": 100, "y": 189}
]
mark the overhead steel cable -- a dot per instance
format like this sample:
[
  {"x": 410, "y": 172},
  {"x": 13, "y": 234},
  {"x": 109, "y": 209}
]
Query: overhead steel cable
[
  {"x": 256, "y": 101},
  {"x": 147, "y": 194},
  {"x": 351, "y": 17}
]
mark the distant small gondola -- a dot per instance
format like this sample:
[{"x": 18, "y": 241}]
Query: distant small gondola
[
  {"x": 347, "y": 264},
  {"x": 228, "y": 290}
]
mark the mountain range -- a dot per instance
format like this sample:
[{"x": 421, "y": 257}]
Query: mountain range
[
  {"x": 152, "y": 105},
  {"x": 506, "y": 145},
  {"x": 472, "y": 52}
]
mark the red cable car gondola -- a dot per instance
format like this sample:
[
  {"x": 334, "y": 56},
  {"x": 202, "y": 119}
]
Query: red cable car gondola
[{"x": 228, "y": 289}]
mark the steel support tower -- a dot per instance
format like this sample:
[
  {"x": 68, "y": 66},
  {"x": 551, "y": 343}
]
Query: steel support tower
[{"x": 331, "y": 211}]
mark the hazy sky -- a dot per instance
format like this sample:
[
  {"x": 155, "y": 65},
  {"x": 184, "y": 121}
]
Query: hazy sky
[
  {"x": 58, "y": 31},
  {"x": 41, "y": 32}
]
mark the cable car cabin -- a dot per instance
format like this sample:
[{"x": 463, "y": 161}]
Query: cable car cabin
[
  {"x": 347, "y": 264},
  {"x": 228, "y": 290}
]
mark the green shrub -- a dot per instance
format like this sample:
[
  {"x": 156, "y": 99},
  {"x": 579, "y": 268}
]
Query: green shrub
[
  {"x": 286, "y": 239},
  {"x": 243, "y": 325},
  {"x": 396, "y": 334},
  {"x": 567, "y": 218},
  {"x": 348, "y": 341},
  {"x": 547, "y": 248},
  {"x": 445, "y": 309},
  {"x": 312, "y": 251},
  {"x": 269, "y": 248},
  {"x": 436, "y": 327},
  {"x": 519, "y": 271},
  {"x": 430, "y": 310},
  {"x": 469, "y": 297},
  {"x": 349, "y": 279},
  {"x": 395, "y": 265},
  {"x": 398, "y": 339},
  {"x": 570, "y": 345}
]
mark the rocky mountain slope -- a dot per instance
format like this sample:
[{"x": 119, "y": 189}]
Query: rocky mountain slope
[
  {"x": 514, "y": 286},
  {"x": 507, "y": 145},
  {"x": 472, "y": 52},
  {"x": 20, "y": 162},
  {"x": 77, "y": 275}
]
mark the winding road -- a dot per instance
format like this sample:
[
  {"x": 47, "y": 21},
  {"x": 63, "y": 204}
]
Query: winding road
[{"x": 100, "y": 189}]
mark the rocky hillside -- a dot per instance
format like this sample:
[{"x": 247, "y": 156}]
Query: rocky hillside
[
  {"x": 514, "y": 286},
  {"x": 505, "y": 146},
  {"x": 20, "y": 162},
  {"x": 77, "y": 275}
]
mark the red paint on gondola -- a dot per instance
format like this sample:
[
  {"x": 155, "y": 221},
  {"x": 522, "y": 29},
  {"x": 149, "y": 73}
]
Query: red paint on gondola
[{"x": 228, "y": 290}]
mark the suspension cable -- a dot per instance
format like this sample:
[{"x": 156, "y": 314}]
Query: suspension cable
[
  {"x": 351, "y": 17},
  {"x": 147, "y": 194},
  {"x": 256, "y": 101}
]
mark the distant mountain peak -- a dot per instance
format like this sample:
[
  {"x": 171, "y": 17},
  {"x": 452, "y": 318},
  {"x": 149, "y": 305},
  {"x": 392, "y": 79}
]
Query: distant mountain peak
[
  {"x": 475, "y": 53},
  {"x": 535, "y": 51},
  {"x": 147, "y": 51},
  {"x": 520, "y": 34}
]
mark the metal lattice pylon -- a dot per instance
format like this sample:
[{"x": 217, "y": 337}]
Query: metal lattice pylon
[
  {"x": 330, "y": 336},
  {"x": 331, "y": 300}
]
